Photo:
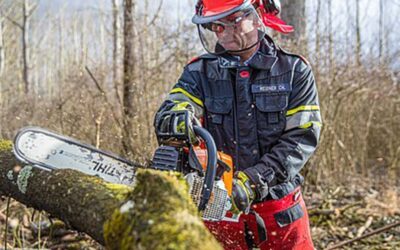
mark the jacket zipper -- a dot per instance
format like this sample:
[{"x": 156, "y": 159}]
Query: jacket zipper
[{"x": 235, "y": 128}]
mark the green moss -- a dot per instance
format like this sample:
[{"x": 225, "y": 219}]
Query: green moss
[
  {"x": 5, "y": 145},
  {"x": 10, "y": 175},
  {"x": 23, "y": 178},
  {"x": 121, "y": 191},
  {"x": 158, "y": 214}
]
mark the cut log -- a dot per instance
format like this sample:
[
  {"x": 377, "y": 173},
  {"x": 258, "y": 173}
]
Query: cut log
[{"x": 156, "y": 214}]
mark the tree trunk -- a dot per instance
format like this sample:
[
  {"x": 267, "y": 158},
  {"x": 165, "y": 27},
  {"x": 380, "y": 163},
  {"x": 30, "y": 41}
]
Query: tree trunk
[
  {"x": 2, "y": 62},
  {"x": 358, "y": 33},
  {"x": 294, "y": 13},
  {"x": 317, "y": 38},
  {"x": 156, "y": 214},
  {"x": 330, "y": 39},
  {"x": 129, "y": 87},
  {"x": 381, "y": 32},
  {"x": 25, "y": 45},
  {"x": 2, "y": 53},
  {"x": 116, "y": 48}
]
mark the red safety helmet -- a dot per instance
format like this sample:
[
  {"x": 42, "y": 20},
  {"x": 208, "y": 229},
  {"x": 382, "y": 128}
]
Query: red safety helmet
[{"x": 211, "y": 10}]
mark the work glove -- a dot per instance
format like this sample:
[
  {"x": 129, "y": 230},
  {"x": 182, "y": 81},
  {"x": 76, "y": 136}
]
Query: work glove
[
  {"x": 243, "y": 193},
  {"x": 181, "y": 117}
]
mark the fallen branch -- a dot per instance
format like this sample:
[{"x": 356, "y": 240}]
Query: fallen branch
[
  {"x": 156, "y": 214},
  {"x": 377, "y": 231},
  {"x": 336, "y": 211}
]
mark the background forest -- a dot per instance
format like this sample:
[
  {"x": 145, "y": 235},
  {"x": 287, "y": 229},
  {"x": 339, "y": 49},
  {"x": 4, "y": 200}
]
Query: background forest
[{"x": 97, "y": 71}]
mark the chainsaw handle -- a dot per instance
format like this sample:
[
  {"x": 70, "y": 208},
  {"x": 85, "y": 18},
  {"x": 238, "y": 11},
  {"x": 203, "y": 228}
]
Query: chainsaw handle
[{"x": 211, "y": 169}]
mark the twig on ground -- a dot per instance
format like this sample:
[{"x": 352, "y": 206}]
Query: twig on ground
[
  {"x": 377, "y": 231},
  {"x": 338, "y": 211},
  {"x": 367, "y": 224}
]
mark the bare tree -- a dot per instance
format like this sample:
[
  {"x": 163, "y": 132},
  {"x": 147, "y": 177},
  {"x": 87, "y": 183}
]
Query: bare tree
[
  {"x": 381, "y": 30},
  {"x": 317, "y": 36},
  {"x": 2, "y": 61},
  {"x": 358, "y": 33},
  {"x": 116, "y": 46},
  {"x": 26, "y": 13},
  {"x": 330, "y": 37},
  {"x": 129, "y": 87},
  {"x": 2, "y": 54},
  {"x": 294, "y": 12}
]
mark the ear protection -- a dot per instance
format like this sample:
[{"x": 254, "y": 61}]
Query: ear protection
[
  {"x": 272, "y": 7},
  {"x": 199, "y": 7}
]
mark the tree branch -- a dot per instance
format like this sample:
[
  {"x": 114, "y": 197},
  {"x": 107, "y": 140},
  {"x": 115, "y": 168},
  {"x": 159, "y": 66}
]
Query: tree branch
[{"x": 14, "y": 22}]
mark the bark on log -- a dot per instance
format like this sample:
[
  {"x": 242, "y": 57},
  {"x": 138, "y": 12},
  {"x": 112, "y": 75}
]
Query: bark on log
[{"x": 156, "y": 214}]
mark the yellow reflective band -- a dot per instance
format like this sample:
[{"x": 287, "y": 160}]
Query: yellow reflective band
[
  {"x": 309, "y": 124},
  {"x": 302, "y": 108},
  {"x": 242, "y": 176},
  {"x": 192, "y": 97},
  {"x": 181, "y": 127},
  {"x": 181, "y": 106}
]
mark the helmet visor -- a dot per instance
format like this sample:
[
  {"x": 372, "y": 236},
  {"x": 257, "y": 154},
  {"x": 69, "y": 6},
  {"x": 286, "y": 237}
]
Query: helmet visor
[{"x": 235, "y": 33}]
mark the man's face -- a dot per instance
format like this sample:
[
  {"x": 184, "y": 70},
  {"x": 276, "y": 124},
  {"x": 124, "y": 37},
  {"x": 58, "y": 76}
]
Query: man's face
[{"x": 236, "y": 31}]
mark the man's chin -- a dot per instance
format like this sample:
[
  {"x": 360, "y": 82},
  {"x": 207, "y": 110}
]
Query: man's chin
[{"x": 231, "y": 46}]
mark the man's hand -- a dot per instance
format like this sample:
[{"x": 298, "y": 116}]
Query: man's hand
[
  {"x": 181, "y": 118},
  {"x": 243, "y": 194}
]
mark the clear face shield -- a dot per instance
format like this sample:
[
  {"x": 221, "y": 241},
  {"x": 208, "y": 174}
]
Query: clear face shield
[{"x": 237, "y": 32}]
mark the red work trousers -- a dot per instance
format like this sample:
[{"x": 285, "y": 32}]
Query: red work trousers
[{"x": 286, "y": 222}]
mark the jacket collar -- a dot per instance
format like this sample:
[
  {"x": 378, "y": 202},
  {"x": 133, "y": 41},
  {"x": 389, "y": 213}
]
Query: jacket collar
[{"x": 264, "y": 59}]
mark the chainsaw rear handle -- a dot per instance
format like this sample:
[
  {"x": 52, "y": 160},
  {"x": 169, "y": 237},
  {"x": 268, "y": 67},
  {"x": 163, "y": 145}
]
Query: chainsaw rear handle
[
  {"x": 211, "y": 169},
  {"x": 168, "y": 130}
]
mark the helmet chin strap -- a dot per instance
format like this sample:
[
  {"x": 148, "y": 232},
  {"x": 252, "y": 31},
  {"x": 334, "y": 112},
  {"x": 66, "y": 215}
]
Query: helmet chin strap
[{"x": 245, "y": 51}]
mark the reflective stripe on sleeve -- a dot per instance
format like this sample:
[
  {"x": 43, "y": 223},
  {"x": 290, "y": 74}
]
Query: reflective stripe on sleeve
[
  {"x": 180, "y": 99},
  {"x": 304, "y": 119},
  {"x": 190, "y": 96},
  {"x": 302, "y": 108},
  {"x": 309, "y": 124}
]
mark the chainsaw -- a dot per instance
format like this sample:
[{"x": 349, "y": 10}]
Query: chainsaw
[{"x": 207, "y": 171}]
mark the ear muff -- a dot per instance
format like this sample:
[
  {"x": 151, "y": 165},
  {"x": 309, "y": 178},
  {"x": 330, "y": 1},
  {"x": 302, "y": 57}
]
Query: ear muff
[
  {"x": 199, "y": 10},
  {"x": 272, "y": 7},
  {"x": 199, "y": 7}
]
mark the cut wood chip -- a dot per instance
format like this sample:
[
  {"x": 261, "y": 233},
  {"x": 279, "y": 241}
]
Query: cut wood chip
[{"x": 367, "y": 224}]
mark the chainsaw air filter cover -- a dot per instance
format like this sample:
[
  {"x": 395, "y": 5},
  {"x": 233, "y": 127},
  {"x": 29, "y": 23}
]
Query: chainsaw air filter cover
[
  {"x": 167, "y": 158},
  {"x": 219, "y": 202}
]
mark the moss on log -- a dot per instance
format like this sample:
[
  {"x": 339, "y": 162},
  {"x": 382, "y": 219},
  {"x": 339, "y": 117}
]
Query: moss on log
[{"x": 156, "y": 214}]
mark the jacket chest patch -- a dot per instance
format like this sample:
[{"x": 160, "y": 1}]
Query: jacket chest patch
[{"x": 261, "y": 88}]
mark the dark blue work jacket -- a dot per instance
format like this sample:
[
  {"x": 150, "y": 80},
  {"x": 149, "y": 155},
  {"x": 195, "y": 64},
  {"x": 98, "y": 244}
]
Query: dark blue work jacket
[{"x": 264, "y": 113}]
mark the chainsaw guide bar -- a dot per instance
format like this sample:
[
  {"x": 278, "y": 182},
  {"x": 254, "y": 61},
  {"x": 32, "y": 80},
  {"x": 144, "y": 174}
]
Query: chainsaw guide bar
[{"x": 50, "y": 151}]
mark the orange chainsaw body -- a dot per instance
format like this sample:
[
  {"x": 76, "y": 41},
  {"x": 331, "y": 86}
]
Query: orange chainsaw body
[{"x": 227, "y": 177}]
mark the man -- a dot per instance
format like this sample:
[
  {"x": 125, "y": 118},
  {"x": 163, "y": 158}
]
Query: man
[{"x": 260, "y": 104}]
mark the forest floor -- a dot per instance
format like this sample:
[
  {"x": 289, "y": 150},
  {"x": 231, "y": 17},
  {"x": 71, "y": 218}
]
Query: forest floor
[
  {"x": 337, "y": 214},
  {"x": 343, "y": 213}
]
